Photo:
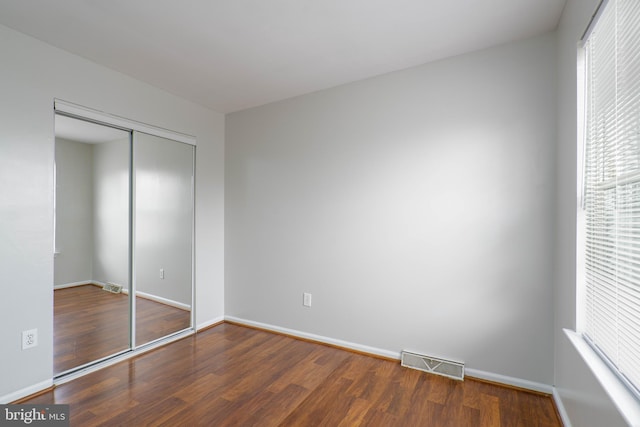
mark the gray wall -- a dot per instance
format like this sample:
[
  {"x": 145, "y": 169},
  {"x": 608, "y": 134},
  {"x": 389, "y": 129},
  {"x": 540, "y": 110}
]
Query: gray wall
[
  {"x": 74, "y": 212},
  {"x": 417, "y": 208},
  {"x": 32, "y": 75},
  {"x": 583, "y": 398}
]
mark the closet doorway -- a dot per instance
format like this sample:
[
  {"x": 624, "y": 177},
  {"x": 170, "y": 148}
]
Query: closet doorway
[{"x": 123, "y": 260}]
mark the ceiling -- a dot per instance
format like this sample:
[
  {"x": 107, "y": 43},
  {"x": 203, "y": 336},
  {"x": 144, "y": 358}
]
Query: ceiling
[{"x": 230, "y": 55}]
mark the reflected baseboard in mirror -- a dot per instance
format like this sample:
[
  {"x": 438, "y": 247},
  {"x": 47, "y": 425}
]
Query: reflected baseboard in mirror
[{"x": 100, "y": 328}]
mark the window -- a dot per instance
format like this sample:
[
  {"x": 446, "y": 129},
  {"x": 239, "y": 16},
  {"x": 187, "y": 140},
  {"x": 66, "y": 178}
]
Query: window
[{"x": 611, "y": 188}]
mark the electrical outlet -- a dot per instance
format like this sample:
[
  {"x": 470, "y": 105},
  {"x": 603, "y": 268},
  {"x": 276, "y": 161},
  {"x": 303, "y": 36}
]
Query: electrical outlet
[
  {"x": 162, "y": 273},
  {"x": 306, "y": 299},
  {"x": 29, "y": 338}
]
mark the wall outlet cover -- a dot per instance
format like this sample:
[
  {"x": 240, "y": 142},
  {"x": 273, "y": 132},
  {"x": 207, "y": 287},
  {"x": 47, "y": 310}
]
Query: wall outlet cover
[
  {"x": 306, "y": 299},
  {"x": 29, "y": 338}
]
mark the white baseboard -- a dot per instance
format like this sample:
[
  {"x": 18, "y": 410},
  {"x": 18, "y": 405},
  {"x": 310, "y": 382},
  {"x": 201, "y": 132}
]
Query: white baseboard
[
  {"x": 12, "y": 397},
  {"x": 208, "y": 323},
  {"x": 74, "y": 284},
  {"x": 164, "y": 301},
  {"x": 512, "y": 381},
  {"x": 562, "y": 411},
  {"x": 489, "y": 376}
]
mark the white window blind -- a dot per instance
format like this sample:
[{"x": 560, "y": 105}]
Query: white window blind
[{"x": 612, "y": 188}]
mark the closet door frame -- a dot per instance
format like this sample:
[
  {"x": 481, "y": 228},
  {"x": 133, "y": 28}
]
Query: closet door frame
[{"x": 72, "y": 110}]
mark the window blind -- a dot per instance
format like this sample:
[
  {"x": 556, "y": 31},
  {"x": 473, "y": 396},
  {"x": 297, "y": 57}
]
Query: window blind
[{"x": 612, "y": 188}]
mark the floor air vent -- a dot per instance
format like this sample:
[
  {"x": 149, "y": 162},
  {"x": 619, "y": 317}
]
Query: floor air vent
[
  {"x": 112, "y": 287},
  {"x": 433, "y": 365}
]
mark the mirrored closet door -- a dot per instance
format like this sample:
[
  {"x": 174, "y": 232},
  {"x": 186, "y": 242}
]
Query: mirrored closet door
[
  {"x": 92, "y": 220},
  {"x": 163, "y": 253},
  {"x": 123, "y": 263}
]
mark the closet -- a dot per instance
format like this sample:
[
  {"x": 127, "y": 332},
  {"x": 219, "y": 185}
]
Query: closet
[{"x": 124, "y": 245}]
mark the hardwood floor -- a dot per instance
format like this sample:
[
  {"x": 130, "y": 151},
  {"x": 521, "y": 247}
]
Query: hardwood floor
[
  {"x": 235, "y": 376},
  {"x": 90, "y": 324}
]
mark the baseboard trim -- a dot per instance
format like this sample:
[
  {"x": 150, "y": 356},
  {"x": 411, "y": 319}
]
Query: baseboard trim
[
  {"x": 159, "y": 300},
  {"x": 74, "y": 284},
  {"x": 209, "y": 323},
  {"x": 164, "y": 301},
  {"x": 27, "y": 391},
  {"x": 562, "y": 411},
  {"x": 510, "y": 381},
  {"x": 345, "y": 345}
]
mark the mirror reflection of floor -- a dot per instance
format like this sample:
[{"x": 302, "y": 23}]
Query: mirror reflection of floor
[{"x": 90, "y": 323}]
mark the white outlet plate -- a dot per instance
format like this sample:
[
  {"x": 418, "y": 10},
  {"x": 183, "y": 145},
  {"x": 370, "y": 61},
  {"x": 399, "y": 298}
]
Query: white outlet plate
[
  {"x": 162, "y": 273},
  {"x": 306, "y": 299},
  {"x": 29, "y": 338}
]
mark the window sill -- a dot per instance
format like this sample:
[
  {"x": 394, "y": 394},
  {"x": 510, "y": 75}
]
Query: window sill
[{"x": 621, "y": 396}]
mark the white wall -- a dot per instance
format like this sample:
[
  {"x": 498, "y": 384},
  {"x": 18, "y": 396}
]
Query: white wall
[
  {"x": 74, "y": 212},
  {"x": 582, "y": 396},
  {"x": 31, "y": 76},
  {"x": 417, "y": 208}
]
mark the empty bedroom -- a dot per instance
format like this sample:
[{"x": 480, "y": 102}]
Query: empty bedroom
[{"x": 376, "y": 213}]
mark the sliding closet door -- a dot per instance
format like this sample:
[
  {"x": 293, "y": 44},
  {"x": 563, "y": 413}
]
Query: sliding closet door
[
  {"x": 124, "y": 225},
  {"x": 92, "y": 240},
  {"x": 163, "y": 236}
]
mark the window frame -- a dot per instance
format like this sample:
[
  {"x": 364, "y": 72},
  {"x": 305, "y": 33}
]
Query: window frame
[{"x": 623, "y": 392}]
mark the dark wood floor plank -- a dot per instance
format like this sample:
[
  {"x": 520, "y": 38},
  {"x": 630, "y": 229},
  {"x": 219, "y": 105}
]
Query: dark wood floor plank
[
  {"x": 309, "y": 373},
  {"x": 282, "y": 404},
  {"x": 375, "y": 417},
  {"x": 235, "y": 376}
]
